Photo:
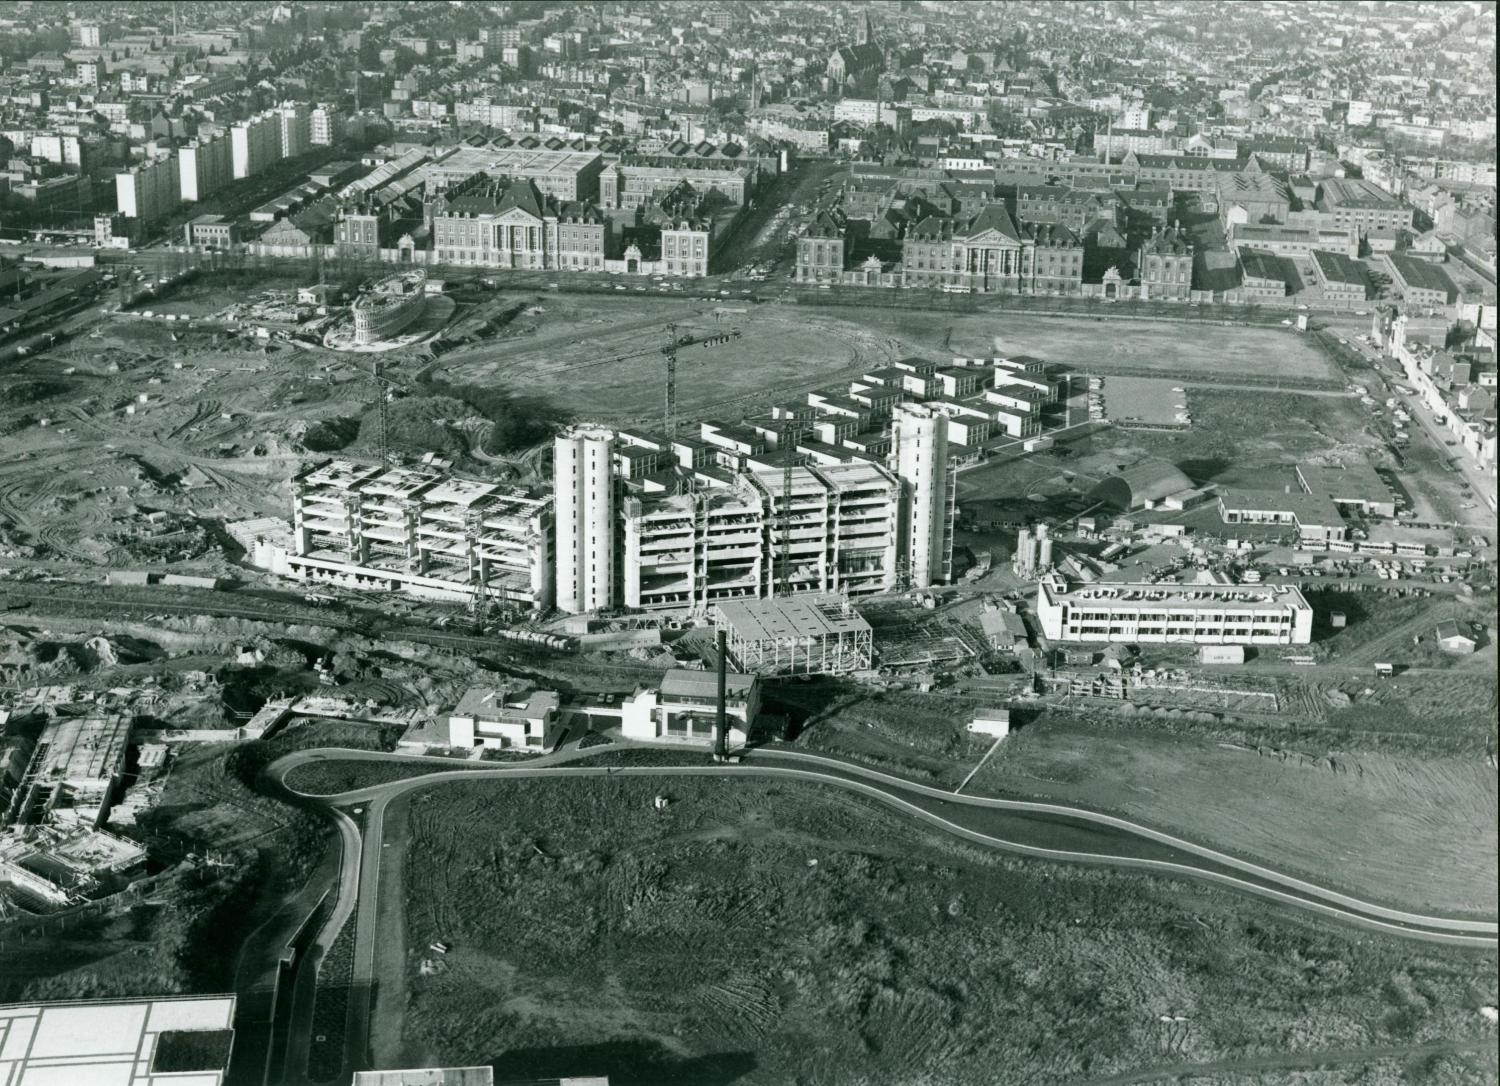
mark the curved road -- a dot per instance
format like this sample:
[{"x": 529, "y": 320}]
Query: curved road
[{"x": 1132, "y": 846}]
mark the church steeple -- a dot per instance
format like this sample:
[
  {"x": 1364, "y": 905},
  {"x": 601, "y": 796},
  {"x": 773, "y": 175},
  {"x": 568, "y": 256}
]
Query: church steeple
[{"x": 865, "y": 35}]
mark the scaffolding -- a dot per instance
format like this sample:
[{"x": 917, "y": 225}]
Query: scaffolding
[{"x": 802, "y": 635}]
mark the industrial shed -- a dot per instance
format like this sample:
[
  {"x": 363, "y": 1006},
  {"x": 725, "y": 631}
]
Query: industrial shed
[{"x": 1140, "y": 486}]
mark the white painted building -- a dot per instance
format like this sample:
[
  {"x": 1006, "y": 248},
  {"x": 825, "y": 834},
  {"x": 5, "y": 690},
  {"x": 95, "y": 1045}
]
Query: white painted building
[
  {"x": 586, "y": 519},
  {"x": 498, "y": 718},
  {"x": 919, "y": 455},
  {"x": 684, "y": 708},
  {"x": 1272, "y": 614}
]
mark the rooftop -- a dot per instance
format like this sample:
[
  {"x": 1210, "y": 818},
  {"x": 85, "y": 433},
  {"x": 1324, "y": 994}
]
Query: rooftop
[
  {"x": 791, "y": 618},
  {"x": 1186, "y": 596},
  {"x": 111, "y": 1042}
]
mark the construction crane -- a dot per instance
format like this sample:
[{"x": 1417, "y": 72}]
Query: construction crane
[{"x": 669, "y": 352}]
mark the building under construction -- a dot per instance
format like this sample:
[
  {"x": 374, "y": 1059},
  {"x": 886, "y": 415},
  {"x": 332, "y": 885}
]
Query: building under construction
[
  {"x": 800, "y": 635},
  {"x": 422, "y": 531}
]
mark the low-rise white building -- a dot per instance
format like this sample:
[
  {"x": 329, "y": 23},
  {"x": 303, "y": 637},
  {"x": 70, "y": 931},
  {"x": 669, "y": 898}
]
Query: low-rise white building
[
  {"x": 685, "y": 708},
  {"x": 1272, "y": 614},
  {"x": 500, "y": 718}
]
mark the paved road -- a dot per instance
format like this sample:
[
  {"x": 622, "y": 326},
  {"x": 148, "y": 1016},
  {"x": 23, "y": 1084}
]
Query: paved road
[
  {"x": 1292, "y": 1061},
  {"x": 1137, "y": 847}
]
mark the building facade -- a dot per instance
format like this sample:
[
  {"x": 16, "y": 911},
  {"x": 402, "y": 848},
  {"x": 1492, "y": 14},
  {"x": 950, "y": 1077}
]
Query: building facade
[{"x": 1171, "y": 613}]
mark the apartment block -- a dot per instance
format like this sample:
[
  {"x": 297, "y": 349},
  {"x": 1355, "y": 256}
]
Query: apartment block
[
  {"x": 254, "y": 144},
  {"x": 149, "y": 191},
  {"x": 421, "y": 531},
  {"x": 204, "y": 167}
]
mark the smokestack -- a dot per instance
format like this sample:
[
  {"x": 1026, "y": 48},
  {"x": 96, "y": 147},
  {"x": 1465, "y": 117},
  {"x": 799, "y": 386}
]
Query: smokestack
[{"x": 720, "y": 732}]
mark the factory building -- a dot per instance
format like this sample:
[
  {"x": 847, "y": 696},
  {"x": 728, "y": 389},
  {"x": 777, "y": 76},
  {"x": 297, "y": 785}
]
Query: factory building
[
  {"x": 919, "y": 454},
  {"x": 586, "y": 519},
  {"x": 1174, "y": 613},
  {"x": 421, "y": 531}
]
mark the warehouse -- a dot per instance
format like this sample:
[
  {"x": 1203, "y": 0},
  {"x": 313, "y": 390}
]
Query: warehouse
[
  {"x": 1312, "y": 515},
  {"x": 1421, "y": 282},
  {"x": 1358, "y": 486},
  {"x": 805, "y": 635},
  {"x": 1342, "y": 279},
  {"x": 1174, "y": 613}
]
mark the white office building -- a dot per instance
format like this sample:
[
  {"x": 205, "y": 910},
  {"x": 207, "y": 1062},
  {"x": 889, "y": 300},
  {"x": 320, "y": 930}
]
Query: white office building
[{"x": 1271, "y": 614}]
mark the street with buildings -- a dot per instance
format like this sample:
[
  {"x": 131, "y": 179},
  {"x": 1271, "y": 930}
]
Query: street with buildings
[{"x": 673, "y": 542}]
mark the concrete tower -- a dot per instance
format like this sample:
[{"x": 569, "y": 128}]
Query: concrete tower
[
  {"x": 919, "y": 455},
  {"x": 585, "y": 516}
]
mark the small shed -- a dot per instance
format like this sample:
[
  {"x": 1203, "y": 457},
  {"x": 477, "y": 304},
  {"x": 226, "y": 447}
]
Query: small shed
[
  {"x": 1221, "y": 654},
  {"x": 992, "y": 722},
  {"x": 1453, "y": 638}
]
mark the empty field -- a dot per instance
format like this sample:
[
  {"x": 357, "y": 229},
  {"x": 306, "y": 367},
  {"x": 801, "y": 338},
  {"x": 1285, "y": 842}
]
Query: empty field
[
  {"x": 1419, "y": 833},
  {"x": 601, "y": 358},
  {"x": 1096, "y": 345},
  {"x": 761, "y": 934}
]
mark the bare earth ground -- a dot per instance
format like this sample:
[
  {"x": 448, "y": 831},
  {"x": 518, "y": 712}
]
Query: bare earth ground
[
  {"x": 1093, "y": 345},
  {"x": 1418, "y": 832},
  {"x": 567, "y": 355},
  {"x": 755, "y": 933}
]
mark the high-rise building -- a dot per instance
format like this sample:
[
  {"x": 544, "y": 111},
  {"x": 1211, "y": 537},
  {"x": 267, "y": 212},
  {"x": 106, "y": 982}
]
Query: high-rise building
[
  {"x": 254, "y": 144},
  {"x": 323, "y": 125},
  {"x": 585, "y": 515},
  {"x": 919, "y": 455},
  {"x": 203, "y": 167},
  {"x": 148, "y": 191},
  {"x": 294, "y": 123}
]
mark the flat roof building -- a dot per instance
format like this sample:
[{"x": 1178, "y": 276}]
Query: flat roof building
[
  {"x": 1173, "y": 613},
  {"x": 1356, "y": 485},
  {"x": 684, "y": 707},
  {"x": 1313, "y": 516},
  {"x": 812, "y": 635},
  {"x": 171, "y": 1041}
]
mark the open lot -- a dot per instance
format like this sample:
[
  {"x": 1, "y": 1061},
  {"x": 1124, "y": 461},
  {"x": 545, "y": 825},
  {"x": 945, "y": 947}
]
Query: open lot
[
  {"x": 761, "y": 934},
  {"x": 1410, "y": 822},
  {"x": 601, "y": 358},
  {"x": 1209, "y": 352},
  {"x": 1417, "y": 832}
]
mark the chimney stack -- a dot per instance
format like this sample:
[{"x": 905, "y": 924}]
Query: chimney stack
[{"x": 720, "y": 731}]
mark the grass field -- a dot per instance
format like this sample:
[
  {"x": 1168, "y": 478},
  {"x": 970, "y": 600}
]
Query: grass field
[
  {"x": 1385, "y": 822},
  {"x": 563, "y": 353},
  {"x": 1421, "y": 833},
  {"x": 762, "y": 934}
]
